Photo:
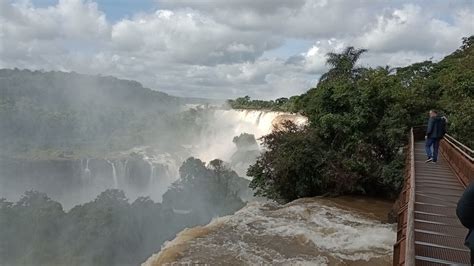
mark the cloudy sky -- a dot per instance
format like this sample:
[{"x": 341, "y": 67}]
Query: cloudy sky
[{"x": 224, "y": 48}]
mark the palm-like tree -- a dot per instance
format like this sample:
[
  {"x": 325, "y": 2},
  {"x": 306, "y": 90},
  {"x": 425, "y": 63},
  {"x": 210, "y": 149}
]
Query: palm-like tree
[{"x": 343, "y": 64}]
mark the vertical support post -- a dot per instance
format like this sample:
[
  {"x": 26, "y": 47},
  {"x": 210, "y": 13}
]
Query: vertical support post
[{"x": 410, "y": 233}]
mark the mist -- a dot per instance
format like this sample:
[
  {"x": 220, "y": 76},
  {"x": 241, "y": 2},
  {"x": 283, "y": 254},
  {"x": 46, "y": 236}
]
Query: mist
[{"x": 77, "y": 145}]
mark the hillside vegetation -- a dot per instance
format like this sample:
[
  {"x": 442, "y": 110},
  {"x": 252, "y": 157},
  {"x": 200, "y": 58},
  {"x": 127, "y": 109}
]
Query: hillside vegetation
[
  {"x": 44, "y": 112},
  {"x": 359, "y": 120},
  {"x": 111, "y": 230}
]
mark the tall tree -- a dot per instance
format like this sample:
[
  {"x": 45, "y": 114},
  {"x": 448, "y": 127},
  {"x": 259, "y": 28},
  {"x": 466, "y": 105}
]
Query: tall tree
[{"x": 343, "y": 64}]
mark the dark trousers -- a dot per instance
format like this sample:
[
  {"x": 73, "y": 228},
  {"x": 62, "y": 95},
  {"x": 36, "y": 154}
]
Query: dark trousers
[{"x": 432, "y": 154}]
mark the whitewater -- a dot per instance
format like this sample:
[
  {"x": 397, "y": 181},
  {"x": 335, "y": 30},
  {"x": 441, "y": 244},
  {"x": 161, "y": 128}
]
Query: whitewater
[
  {"x": 311, "y": 231},
  {"x": 216, "y": 139}
]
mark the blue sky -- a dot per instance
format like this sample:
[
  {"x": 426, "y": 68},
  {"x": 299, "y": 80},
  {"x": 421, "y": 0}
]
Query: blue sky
[{"x": 114, "y": 9}]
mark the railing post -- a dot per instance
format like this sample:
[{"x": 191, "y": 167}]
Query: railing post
[{"x": 410, "y": 231}]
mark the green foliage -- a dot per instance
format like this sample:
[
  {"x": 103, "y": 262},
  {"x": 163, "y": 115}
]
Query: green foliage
[
  {"x": 245, "y": 141},
  {"x": 343, "y": 65},
  {"x": 106, "y": 231},
  {"x": 209, "y": 190},
  {"x": 280, "y": 104},
  {"x": 359, "y": 120},
  {"x": 292, "y": 167},
  {"x": 454, "y": 77},
  {"x": 110, "y": 230}
]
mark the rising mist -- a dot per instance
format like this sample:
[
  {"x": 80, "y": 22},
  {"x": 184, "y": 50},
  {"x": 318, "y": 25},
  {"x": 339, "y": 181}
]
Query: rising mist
[{"x": 106, "y": 156}]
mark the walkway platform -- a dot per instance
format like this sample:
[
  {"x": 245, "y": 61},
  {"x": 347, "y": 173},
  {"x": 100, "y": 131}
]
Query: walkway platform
[
  {"x": 429, "y": 232},
  {"x": 439, "y": 236}
]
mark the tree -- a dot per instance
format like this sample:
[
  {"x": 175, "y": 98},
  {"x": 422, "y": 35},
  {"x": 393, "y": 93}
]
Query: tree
[
  {"x": 343, "y": 65},
  {"x": 204, "y": 190}
]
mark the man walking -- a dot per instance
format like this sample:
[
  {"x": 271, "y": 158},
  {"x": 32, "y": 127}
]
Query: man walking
[
  {"x": 434, "y": 133},
  {"x": 465, "y": 213}
]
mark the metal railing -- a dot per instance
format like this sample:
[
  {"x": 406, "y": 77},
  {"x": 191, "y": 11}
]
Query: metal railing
[
  {"x": 460, "y": 158},
  {"x": 463, "y": 149},
  {"x": 404, "y": 249}
]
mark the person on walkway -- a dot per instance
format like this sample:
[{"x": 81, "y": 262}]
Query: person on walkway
[
  {"x": 434, "y": 133},
  {"x": 465, "y": 213}
]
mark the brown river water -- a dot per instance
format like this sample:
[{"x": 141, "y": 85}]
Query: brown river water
[{"x": 310, "y": 231}]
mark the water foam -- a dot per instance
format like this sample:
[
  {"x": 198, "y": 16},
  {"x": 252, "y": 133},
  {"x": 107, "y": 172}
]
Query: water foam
[{"x": 304, "y": 232}]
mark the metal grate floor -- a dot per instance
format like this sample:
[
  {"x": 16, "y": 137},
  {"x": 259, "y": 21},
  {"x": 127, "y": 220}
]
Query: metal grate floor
[{"x": 439, "y": 236}]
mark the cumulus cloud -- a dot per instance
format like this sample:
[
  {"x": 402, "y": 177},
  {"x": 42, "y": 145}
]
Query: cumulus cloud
[
  {"x": 260, "y": 7},
  {"x": 73, "y": 19},
  {"x": 411, "y": 28},
  {"x": 190, "y": 38},
  {"x": 221, "y": 48}
]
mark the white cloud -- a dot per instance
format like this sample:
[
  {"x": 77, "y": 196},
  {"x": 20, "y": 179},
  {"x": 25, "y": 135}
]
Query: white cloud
[
  {"x": 68, "y": 19},
  {"x": 411, "y": 28},
  {"x": 215, "y": 48},
  {"x": 189, "y": 37}
]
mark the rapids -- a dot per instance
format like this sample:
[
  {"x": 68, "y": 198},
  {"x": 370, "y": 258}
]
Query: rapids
[{"x": 311, "y": 231}]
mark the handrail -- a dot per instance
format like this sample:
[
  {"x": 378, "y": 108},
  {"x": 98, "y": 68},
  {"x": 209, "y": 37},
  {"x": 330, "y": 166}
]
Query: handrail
[
  {"x": 460, "y": 144},
  {"x": 410, "y": 231},
  {"x": 463, "y": 149},
  {"x": 459, "y": 158}
]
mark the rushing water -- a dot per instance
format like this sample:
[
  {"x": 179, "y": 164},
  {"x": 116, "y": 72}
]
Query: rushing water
[
  {"x": 215, "y": 141},
  {"x": 313, "y": 231}
]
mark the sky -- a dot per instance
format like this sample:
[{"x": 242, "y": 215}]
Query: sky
[{"x": 225, "y": 48}]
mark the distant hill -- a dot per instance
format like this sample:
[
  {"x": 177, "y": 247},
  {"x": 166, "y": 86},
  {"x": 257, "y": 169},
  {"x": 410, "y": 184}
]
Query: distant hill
[
  {"x": 72, "y": 90},
  {"x": 59, "y": 110}
]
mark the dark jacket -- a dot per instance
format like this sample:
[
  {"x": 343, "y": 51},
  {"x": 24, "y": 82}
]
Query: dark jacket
[
  {"x": 465, "y": 213},
  {"x": 436, "y": 128}
]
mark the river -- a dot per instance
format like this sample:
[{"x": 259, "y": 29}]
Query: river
[{"x": 310, "y": 231}]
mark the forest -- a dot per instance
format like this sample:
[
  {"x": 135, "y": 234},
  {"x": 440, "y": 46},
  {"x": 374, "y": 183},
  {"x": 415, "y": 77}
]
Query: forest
[
  {"x": 111, "y": 230},
  {"x": 359, "y": 121}
]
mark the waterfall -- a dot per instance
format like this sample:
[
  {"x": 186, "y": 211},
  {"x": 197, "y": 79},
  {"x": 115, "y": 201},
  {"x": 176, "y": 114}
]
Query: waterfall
[
  {"x": 152, "y": 172},
  {"x": 114, "y": 174},
  {"x": 256, "y": 122},
  {"x": 170, "y": 163},
  {"x": 87, "y": 172},
  {"x": 216, "y": 139},
  {"x": 125, "y": 170}
]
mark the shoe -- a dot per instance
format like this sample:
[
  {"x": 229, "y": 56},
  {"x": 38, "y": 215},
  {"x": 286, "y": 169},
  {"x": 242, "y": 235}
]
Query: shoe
[
  {"x": 433, "y": 162},
  {"x": 429, "y": 160}
]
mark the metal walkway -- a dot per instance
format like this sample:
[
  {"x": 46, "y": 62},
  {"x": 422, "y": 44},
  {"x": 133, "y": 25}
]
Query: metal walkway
[
  {"x": 439, "y": 236},
  {"x": 429, "y": 232}
]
